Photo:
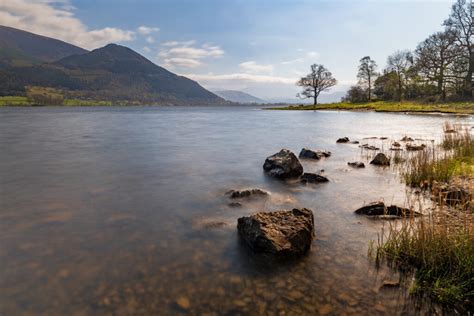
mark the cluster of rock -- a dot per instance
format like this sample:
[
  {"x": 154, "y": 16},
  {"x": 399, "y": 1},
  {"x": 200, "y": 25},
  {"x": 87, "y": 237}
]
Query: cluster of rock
[
  {"x": 285, "y": 165},
  {"x": 289, "y": 233}
]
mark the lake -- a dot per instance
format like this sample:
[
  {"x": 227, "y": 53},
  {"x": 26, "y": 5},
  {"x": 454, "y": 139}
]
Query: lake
[{"x": 111, "y": 210}]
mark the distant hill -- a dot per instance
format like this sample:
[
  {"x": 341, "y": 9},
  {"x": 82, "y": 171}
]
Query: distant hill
[
  {"x": 238, "y": 96},
  {"x": 20, "y": 48},
  {"x": 112, "y": 72}
]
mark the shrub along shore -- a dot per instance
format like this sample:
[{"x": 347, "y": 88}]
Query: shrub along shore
[{"x": 388, "y": 106}]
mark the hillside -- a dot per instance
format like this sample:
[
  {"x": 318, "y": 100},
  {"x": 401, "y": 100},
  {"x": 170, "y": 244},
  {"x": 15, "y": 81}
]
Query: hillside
[
  {"x": 20, "y": 48},
  {"x": 112, "y": 72},
  {"x": 238, "y": 96}
]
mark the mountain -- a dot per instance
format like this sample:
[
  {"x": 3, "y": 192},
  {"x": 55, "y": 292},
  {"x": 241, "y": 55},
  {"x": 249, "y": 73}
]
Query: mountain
[
  {"x": 238, "y": 96},
  {"x": 20, "y": 48},
  {"x": 113, "y": 72}
]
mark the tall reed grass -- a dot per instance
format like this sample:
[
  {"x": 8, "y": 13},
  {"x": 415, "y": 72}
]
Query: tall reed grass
[{"x": 438, "y": 247}]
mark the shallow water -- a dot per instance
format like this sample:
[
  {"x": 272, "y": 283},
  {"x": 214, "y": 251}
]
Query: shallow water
[{"x": 111, "y": 211}]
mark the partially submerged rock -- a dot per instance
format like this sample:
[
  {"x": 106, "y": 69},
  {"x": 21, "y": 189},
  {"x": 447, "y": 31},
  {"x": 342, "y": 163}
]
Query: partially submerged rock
[
  {"x": 380, "y": 160},
  {"x": 283, "y": 165},
  {"x": 282, "y": 233},
  {"x": 380, "y": 209},
  {"x": 313, "y": 154},
  {"x": 313, "y": 178},
  {"x": 355, "y": 142},
  {"x": 396, "y": 144},
  {"x": 356, "y": 164},
  {"x": 407, "y": 139},
  {"x": 343, "y": 140},
  {"x": 414, "y": 147},
  {"x": 247, "y": 193}
]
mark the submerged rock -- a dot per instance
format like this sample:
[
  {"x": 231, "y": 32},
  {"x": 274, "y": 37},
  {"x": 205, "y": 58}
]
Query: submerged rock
[
  {"x": 283, "y": 165},
  {"x": 343, "y": 140},
  {"x": 396, "y": 144},
  {"x": 355, "y": 142},
  {"x": 380, "y": 209},
  {"x": 283, "y": 233},
  {"x": 313, "y": 178},
  {"x": 356, "y": 164},
  {"x": 380, "y": 160},
  {"x": 247, "y": 193}
]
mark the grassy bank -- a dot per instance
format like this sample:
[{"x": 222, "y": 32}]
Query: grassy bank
[
  {"x": 439, "y": 247},
  {"x": 385, "y": 106},
  {"x": 24, "y": 101}
]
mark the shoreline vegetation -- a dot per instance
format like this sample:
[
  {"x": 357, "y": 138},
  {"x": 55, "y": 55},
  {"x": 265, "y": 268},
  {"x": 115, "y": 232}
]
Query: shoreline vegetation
[
  {"x": 387, "y": 106},
  {"x": 438, "y": 247}
]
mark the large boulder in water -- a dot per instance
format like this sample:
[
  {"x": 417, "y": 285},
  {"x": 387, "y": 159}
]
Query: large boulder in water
[
  {"x": 282, "y": 233},
  {"x": 380, "y": 160},
  {"x": 283, "y": 165}
]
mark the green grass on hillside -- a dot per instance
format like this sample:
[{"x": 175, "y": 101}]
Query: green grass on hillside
[
  {"x": 386, "y": 106},
  {"x": 14, "y": 100}
]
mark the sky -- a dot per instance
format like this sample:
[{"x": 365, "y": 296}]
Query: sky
[{"x": 261, "y": 47}]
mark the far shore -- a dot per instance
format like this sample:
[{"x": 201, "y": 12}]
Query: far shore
[{"x": 459, "y": 108}]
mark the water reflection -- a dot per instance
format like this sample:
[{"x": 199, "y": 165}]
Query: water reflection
[{"x": 123, "y": 211}]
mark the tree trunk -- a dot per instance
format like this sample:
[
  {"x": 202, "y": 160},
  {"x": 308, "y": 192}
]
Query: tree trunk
[
  {"x": 440, "y": 89},
  {"x": 468, "y": 81},
  {"x": 315, "y": 100},
  {"x": 370, "y": 90},
  {"x": 399, "y": 87}
]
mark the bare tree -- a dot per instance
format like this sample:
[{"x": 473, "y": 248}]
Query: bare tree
[
  {"x": 461, "y": 23},
  {"x": 435, "y": 57},
  {"x": 320, "y": 79},
  {"x": 367, "y": 73},
  {"x": 400, "y": 62}
]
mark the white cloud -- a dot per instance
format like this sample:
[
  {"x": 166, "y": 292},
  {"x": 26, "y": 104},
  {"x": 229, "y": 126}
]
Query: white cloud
[
  {"x": 146, "y": 49},
  {"x": 146, "y": 30},
  {"x": 181, "y": 62},
  {"x": 293, "y": 61},
  {"x": 186, "y": 54},
  {"x": 150, "y": 40},
  {"x": 312, "y": 54},
  {"x": 242, "y": 78},
  {"x": 56, "y": 19},
  {"x": 253, "y": 67}
]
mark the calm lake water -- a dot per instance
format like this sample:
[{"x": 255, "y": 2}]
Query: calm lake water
[{"x": 110, "y": 211}]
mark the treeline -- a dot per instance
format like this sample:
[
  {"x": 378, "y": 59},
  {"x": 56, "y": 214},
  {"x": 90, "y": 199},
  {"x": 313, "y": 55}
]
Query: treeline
[{"x": 439, "y": 69}]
